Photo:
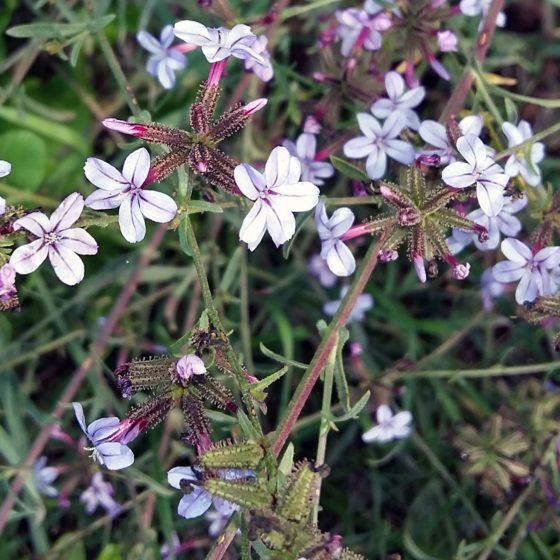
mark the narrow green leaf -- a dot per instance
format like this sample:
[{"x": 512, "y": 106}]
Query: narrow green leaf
[
  {"x": 200, "y": 206},
  {"x": 354, "y": 411},
  {"x": 274, "y": 356},
  {"x": 339, "y": 373},
  {"x": 269, "y": 380},
  {"x": 349, "y": 170}
]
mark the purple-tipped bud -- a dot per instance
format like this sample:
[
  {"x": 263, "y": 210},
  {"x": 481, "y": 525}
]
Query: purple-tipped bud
[
  {"x": 355, "y": 349},
  {"x": 419, "y": 267},
  {"x": 461, "y": 271},
  {"x": 134, "y": 129},
  {"x": 254, "y": 106},
  {"x": 482, "y": 233},
  {"x": 428, "y": 159},
  {"x": 188, "y": 366},
  {"x": 447, "y": 41}
]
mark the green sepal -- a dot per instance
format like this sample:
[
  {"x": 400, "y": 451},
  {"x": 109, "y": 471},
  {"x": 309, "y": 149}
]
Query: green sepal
[
  {"x": 246, "y": 493},
  {"x": 227, "y": 455}
]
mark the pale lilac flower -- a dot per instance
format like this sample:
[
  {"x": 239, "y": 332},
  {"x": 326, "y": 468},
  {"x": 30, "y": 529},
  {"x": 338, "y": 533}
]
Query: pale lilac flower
[
  {"x": 44, "y": 477},
  {"x": 480, "y": 170},
  {"x": 188, "y": 366},
  {"x": 198, "y": 500},
  {"x": 340, "y": 259},
  {"x": 109, "y": 452},
  {"x": 435, "y": 134},
  {"x": 400, "y": 100},
  {"x": 218, "y": 521},
  {"x": 379, "y": 142},
  {"x": 533, "y": 270},
  {"x": 311, "y": 125},
  {"x": 363, "y": 304},
  {"x": 277, "y": 194},
  {"x": 489, "y": 289},
  {"x": 125, "y": 190},
  {"x": 5, "y": 168},
  {"x": 525, "y": 162},
  {"x": 57, "y": 240},
  {"x": 305, "y": 149},
  {"x": 219, "y": 43},
  {"x": 7, "y": 282},
  {"x": 389, "y": 426},
  {"x": 504, "y": 223},
  {"x": 100, "y": 493},
  {"x": 480, "y": 7},
  {"x": 358, "y": 29},
  {"x": 164, "y": 60},
  {"x": 447, "y": 40},
  {"x": 165, "y": 549},
  {"x": 263, "y": 70},
  {"x": 320, "y": 269}
]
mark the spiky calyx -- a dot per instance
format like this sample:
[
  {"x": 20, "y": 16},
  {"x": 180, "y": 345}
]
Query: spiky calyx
[
  {"x": 247, "y": 493},
  {"x": 144, "y": 374},
  {"x": 244, "y": 455}
]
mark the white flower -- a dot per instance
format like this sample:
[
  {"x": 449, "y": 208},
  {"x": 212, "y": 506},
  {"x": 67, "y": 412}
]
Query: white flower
[
  {"x": 379, "y": 142},
  {"x": 339, "y": 258},
  {"x": 44, "y": 477},
  {"x": 320, "y": 269},
  {"x": 57, "y": 240},
  {"x": 399, "y": 100},
  {"x": 357, "y": 28},
  {"x": 363, "y": 304},
  {"x": 525, "y": 162},
  {"x": 389, "y": 426},
  {"x": 164, "y": 60},
  {"x": 447, "y": 40},
  {"x": 480, "y": 170},
  {"x": 111, "y": 453},
  {"x": 305, "y": 150},
  {"x": 533, "y": 270},
  {"x": 277, "y": 194},
  {"x": 505, "y": 222},
  {"x": 219, "y": 43},
  {"x": 435, "y": 134},
  {"x": 263, "y": 70},
  {"x": 100, "y": 493},
  {"x": 125, "y": 190},
  {"x": 476, "y": 7}
]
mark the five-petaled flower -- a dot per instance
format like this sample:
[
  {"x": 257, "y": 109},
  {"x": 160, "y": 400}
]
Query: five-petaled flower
[
  {"x": 264, "y": 70},
  {"x": 305, "y": 149},
  {"x": 480, "y": 170},
  {"x": 105, "y": 435},
  {"x": 389, "y": 426},
  {"x": 164, "y": 60},
  {"x": 100, "y": 493},
  {"x": 56, "y": 239},
  {"x": 126, "y": 190},
  {"x": 44, "y": 477},
  {"x": 339, "y": 258},
  {"x": 534, "y": 270},
  {"x": 400, "y": 100},
  {"x": 358, "y": 29},
  {"x": 198, "y": 499},
  {"x": 363, "y": 304},
  {"x": 277, "y": 194},
  {"x": 476, "y": 7},
  {"x": 219, "y": 43},
  {"x": 525, "y": 161},
  {"x": 379, "y": 142}
]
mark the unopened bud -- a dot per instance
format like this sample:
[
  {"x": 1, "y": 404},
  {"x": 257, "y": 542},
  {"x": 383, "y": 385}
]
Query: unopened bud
[
  {"x": 461, "y": 271},
  {"x": 188, "y": 366},
  {"x": 419, "y": 267}
]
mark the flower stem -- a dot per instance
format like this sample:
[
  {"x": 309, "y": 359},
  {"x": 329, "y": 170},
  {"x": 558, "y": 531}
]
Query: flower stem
[
  {"x": 324, "y": 427},
  {"x": 325, "y": 348}
]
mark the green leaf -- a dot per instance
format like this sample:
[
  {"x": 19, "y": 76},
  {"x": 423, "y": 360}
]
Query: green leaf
[
  {"x": 183, "y": 242},
  {"x": 199, "y": 206},
  {"x": 49, "y": 30},
  {"x": 110, "y": 552},
  {"x": 349, "y": 170},
  {"x": 354, "y": 411},
  {"x": 138, "y": 476},
  {"x": 246, "y": 427},
  {"x": 274, "y": 356},
  {"x": 339, "y": 373},
  {"x": 511, "y": 111},
  {"x": 27, "y": 152},
  {"x": 269, "y": 380}
]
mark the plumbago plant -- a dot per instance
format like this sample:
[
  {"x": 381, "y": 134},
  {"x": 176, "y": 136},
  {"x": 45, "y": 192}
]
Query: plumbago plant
[{"x": 409, "y": 151}]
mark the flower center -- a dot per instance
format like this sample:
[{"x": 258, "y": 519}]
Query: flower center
[{"x": 51, "y": 238}]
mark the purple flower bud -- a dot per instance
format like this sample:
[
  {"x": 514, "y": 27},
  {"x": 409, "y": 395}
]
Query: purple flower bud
[
  {"x": 188, "y": 366},
  {"x": 461, "y": 271},
  {"x": 419, "y": 267}
]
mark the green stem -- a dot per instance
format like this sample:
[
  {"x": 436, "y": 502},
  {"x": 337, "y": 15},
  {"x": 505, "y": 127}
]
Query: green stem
[
  {"x": 244, "y": 294},
  {"x": 324, "y": 427},
  {"x": 116, "y": 69},
  {"x": 494, "y": 371}
]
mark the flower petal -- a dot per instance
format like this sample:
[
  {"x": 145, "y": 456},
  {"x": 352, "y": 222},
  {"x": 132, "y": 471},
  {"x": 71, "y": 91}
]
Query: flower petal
[
  {"x": 282, "y": 168},
  {"x": 67, "y": 213},
  {"x": 253, "y": 227},
  {"x": 80, "y": 417},
  {"x": 114, "y": 455},
  {"x": 249, "y": 181},
  {"x": 376, "y": 164},
  {"x": 79, "y": 241},
  {"x": 27, "y": 258},
  {"x": 394, "y": 84},
  {"x": 104, "y": 200},
  {"x": 369, "y": 125},
  {"x": 458, "y": 175},
  {"x": 102, "y": 428},
  {"x": 156, "y": 206},
  {"x": 359, "y": 147},
  {"x": 5, "y": 168},
  {"x": 280, "y": 223},
  {"x": 527, "y": 289},
  {"x": 384, "y": 414},
  {"x": 434, "y": 134},
  {"x": 507, "y": 271},
  {"x": 297, "y": 197},
  {"x": 516, "y": 251},
  {"x": 66, "y": 264},
  {"x": 340, "y": 260},
  {"x": 194, "y": 504},
  {"x": 149, "y": 42},
  {"x": 36, "y": 222},
  {"x": 176, "y": 474},
  {"x": 104, "y": 176},
  {"x": 490, "y": 197},
  {"x": 192, "y": 32},
  {"x": 400, "y": 151},
  {"x": 131, "y": 220},
  {"x": 473, "y": 150},
  {"x": 136, "y": 167},
  {"x": 306, "y": 146}
]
